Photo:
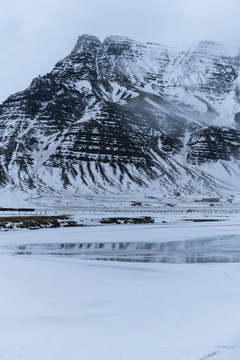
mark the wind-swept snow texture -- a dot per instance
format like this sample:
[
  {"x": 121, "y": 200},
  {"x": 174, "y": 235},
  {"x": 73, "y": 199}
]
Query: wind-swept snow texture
[{"x": 122, "y": 116}]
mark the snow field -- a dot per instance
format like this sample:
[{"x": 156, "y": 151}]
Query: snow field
[{"x": 68, "y": 309}]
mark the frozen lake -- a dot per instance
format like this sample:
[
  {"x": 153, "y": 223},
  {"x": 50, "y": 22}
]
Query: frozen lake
[{"x": 221, "y": 249}]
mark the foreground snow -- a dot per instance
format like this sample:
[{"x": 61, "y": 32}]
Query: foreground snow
[{"x": 69, "y": 309}]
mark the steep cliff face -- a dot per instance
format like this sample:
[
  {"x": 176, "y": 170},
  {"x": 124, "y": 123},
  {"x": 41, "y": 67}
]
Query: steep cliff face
[{"x": 122, "y": 116}]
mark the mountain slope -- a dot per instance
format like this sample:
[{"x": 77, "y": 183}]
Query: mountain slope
[{"x": 121, "y": 116}]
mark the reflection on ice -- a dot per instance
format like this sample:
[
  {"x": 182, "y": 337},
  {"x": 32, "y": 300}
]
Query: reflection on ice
[{"x": 218, "y": 249}]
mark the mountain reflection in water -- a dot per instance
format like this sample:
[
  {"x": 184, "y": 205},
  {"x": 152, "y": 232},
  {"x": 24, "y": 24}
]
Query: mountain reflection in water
[{"x": 216, "y": 249}]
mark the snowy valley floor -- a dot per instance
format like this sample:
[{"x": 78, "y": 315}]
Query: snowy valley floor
[{"x": 66, "y": 308}]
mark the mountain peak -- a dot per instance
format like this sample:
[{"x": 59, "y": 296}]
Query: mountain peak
[
  {"x": 118, "y": 39},
  {"x": 88, "y": 40},
  {"x": 213, "y": 48}
]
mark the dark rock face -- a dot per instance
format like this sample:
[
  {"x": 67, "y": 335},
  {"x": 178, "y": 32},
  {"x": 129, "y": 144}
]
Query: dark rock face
[
  {"x": 213, "y": 144},
  {"x": 113, "y": 116},
  {"x": 237, "y": 118}
]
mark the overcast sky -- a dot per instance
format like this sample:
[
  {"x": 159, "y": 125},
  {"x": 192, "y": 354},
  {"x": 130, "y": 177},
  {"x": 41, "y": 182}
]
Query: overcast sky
[{"x": 35, "y": 34}]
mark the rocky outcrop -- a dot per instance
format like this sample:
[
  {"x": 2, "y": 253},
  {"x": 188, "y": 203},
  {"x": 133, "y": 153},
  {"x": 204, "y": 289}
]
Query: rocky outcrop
[{"x": 213, "y": 144}]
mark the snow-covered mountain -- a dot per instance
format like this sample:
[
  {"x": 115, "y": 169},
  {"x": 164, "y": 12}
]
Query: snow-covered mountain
[{"x": 122, "y": 116}]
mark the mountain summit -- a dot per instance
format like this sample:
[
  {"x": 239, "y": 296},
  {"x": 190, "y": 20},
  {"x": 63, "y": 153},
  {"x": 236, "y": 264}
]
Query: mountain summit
[{"x": 123, "y": 116}]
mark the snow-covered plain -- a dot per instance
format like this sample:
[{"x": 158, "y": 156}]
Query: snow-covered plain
[{"x": 54, "y": 307}]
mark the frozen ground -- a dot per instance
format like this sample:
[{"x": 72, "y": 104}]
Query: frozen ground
[{"x": 56, "y": 307}]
